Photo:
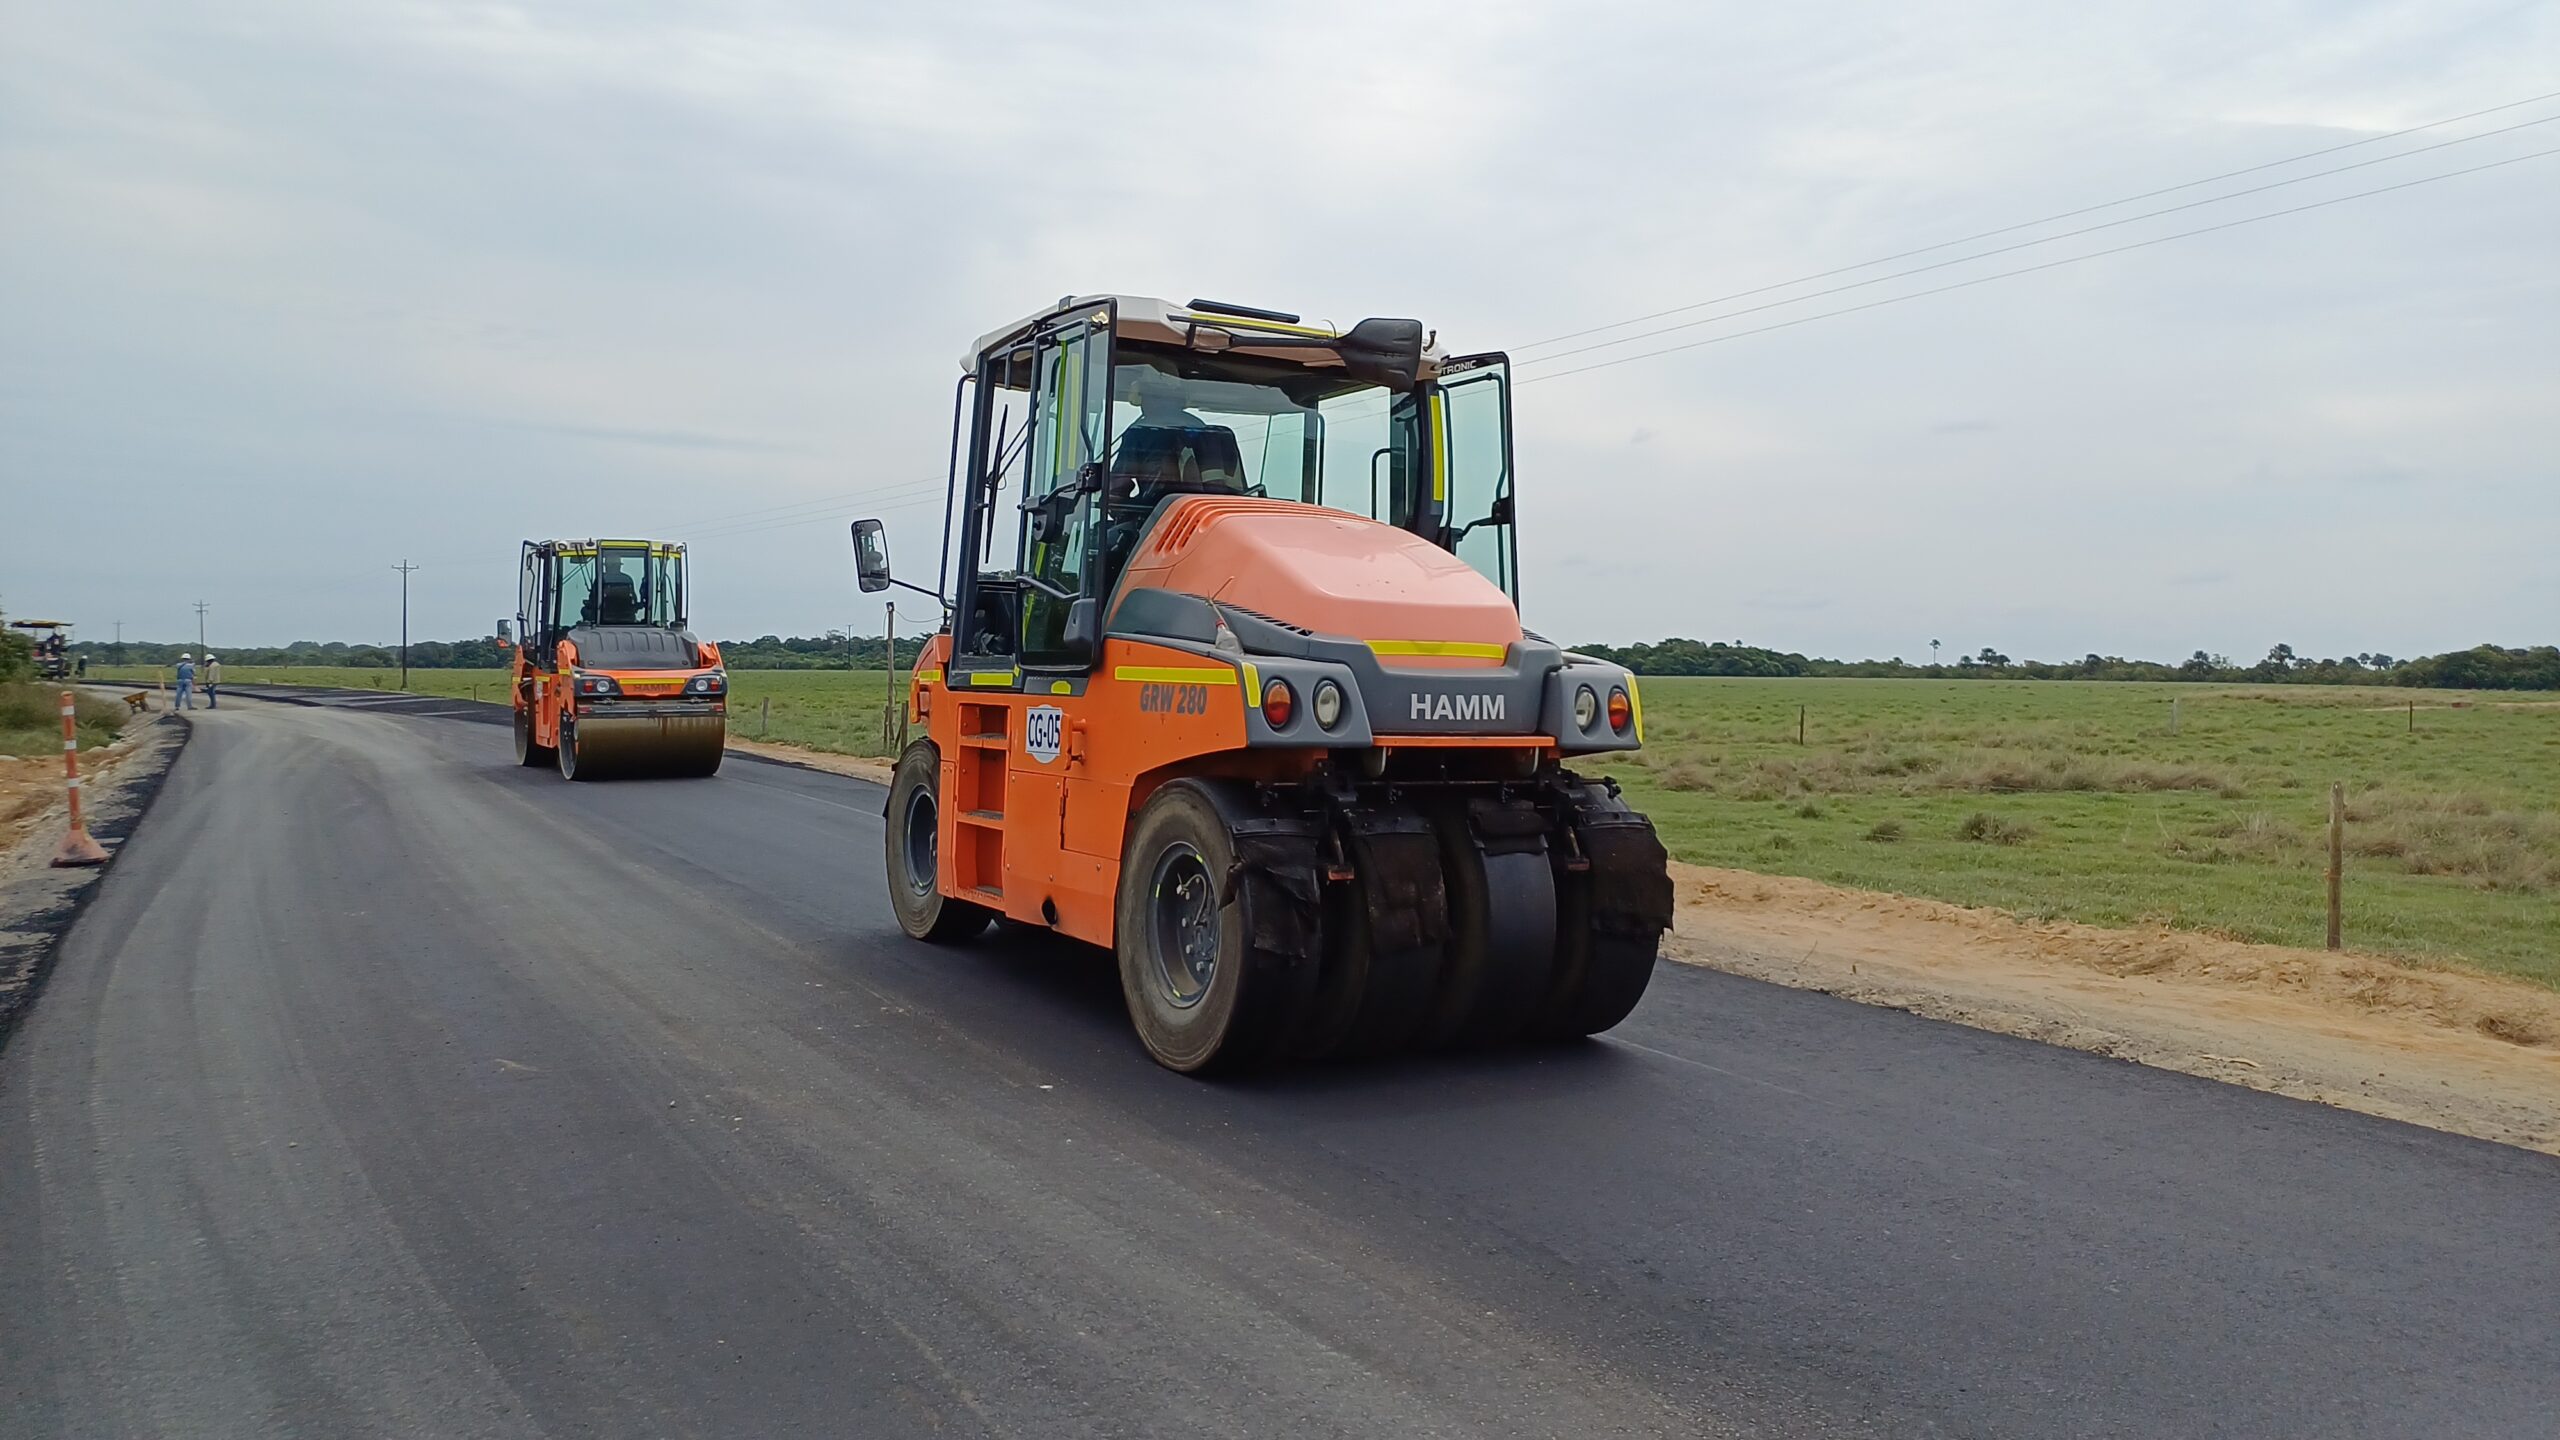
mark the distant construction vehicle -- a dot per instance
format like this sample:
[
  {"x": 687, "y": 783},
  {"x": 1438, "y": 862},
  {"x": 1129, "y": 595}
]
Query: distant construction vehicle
[
  {"x": 52, "y": 639},
  {"x": 1234, "y": 682},
  {"x": 608, "y": 681}
]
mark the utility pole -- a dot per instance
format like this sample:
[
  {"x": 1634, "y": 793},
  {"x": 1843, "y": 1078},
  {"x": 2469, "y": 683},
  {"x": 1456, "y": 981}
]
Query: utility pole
[
  {"x": 119, "y": 642},
  {"x": 404, "y": 567},
  {"x": 201, "y": 607}
]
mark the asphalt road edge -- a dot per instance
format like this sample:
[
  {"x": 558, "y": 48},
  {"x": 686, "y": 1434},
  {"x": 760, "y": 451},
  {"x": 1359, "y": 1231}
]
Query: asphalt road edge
[{"x": 39, "y": 904}]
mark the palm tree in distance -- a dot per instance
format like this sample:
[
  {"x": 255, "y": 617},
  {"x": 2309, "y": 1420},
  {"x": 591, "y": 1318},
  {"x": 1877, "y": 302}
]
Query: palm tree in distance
[{"x": 1933, "y": 652}]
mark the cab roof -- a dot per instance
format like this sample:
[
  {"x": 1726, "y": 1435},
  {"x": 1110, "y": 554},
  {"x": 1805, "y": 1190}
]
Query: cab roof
[
  {"x": 573, "y": 547},
  {"x": 1143, "y": 317}
]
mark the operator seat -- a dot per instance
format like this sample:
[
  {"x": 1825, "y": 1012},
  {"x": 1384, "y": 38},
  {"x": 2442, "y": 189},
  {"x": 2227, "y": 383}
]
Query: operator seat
[
  {"x": 617, "y": 601},
  {"x": 1154, "y": 462}
]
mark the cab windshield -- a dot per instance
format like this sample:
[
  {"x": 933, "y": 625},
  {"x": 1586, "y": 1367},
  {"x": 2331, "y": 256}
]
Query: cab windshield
[
  {"x": 623, "y": 583},
  {"x": 1182, "y": 421}
]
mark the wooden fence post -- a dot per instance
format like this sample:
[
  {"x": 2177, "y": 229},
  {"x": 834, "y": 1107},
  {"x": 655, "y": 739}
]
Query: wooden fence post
[
  {"x": 2337, "y": 854},
  {"x": 1799, "y": 724}
]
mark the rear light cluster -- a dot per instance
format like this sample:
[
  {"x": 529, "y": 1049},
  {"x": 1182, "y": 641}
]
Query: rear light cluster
[
  {"x": 1586, "y": 709},
  {"x": 1280, "y": 704},
  {"x": 707, "y": 685},
  {"x": 597, "y": 685}
]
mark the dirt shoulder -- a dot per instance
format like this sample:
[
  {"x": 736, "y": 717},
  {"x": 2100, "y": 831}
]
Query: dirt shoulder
[
  {"x": 860, "y": 767},
  {"x": 38, "y": 903},
  {"x": 2473, "y": 1054}
]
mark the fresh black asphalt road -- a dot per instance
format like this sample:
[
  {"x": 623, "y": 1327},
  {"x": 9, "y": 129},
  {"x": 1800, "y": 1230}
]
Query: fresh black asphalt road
[{"x": 390, "y": 1089}]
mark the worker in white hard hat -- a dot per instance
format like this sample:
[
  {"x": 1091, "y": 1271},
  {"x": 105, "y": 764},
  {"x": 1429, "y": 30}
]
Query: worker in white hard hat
[
  {"x": 185, "y": 699},
  {"x": 212, "y": 681}
]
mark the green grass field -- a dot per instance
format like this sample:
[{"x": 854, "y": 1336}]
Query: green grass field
[
  {"x": 2052, "y": 799},
  {"x": 31, "y": 720},
  {"x": 2073, "y": 801}
]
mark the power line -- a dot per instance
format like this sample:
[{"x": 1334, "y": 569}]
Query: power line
[
  {"x": 2046, "y": 265},
  {"x": 885, "y": 500},
  {"x": 2047, "y": 220},
  {"x": 2029, "y": 244}
]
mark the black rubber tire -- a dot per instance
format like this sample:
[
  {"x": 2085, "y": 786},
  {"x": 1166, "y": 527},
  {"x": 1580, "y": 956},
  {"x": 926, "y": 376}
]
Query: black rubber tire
[
  {"x": 1226, "y": 1023},
  {"x": 529, "y": 754},
  {"x": 1370, "y": 1001},
  {"x": 1501, "y": 965},
  {"x": 1599, "y": 977},
  {"x": 915, "y": 893}
]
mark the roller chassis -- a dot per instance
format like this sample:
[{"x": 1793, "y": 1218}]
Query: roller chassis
[
  {"x": 1361, "y": 915},
  {"x": 1442, "y": 913}
]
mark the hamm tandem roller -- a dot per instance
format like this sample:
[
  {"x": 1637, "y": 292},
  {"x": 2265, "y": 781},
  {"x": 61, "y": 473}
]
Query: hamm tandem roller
[
  {"x": 608, "y": 681},
  {"x": 1234, "y": 683}
]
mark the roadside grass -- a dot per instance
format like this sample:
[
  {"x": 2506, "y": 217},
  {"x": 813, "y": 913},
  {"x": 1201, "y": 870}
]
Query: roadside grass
[
  {"x": 2062, "y": 800},
  {"x": 2053, "y": 799},
  {"x": 31, "y": 719}
]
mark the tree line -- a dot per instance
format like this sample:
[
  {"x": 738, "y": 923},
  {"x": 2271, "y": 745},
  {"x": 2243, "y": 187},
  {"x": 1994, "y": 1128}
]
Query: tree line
[{"x": 2482, "y": 667}]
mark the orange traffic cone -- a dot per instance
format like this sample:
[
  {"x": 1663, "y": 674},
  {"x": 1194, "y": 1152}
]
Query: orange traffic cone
[{"x": 77, "y": 847}]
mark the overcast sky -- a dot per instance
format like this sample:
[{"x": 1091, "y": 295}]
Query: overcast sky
[{"x": 291, "y": 292}]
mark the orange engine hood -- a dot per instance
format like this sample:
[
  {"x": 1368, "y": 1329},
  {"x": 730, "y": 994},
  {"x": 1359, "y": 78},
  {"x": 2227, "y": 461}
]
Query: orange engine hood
[{"x": 1328, "y": 571}]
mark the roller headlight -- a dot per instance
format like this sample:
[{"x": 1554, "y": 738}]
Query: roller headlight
[
  {"x": 597, "y": 685},
  {"x": 1328, "y": 704},
  {"x": 1586, "y": 707},
  {"x": 707, "y": 685}
]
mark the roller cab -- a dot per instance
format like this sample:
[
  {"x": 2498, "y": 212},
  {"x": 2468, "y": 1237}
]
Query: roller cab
[
  {"x": 1234, "y": 682},
  {"x": 609, "y": 682}
]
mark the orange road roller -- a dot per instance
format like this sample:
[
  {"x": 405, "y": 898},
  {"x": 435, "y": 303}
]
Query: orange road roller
[
  {"x": 608, "y": 681},
  {"x": 1232, "y": 680}
]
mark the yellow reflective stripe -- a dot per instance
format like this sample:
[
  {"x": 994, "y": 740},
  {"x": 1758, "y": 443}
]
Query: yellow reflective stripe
[
  {"x": 1440, "y": 448},
  {"x": 1469, "y": 649},
  {"x": 995, "y": 677},
  {"x": 1062, "y": 687},
  {"x": 928, "y": 677},
  {"x": 1175, "y": 674},
  {"x": 1246, "y": 322},
  {"x": 1253, "y": 685},
  {"x": 1635, "y": 702}
]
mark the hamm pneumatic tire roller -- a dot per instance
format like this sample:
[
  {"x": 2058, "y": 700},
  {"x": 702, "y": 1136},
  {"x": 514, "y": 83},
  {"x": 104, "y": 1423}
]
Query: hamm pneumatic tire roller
[
  {"x": 1233, "y": 681},
  {"x": 608, "y": 681}
]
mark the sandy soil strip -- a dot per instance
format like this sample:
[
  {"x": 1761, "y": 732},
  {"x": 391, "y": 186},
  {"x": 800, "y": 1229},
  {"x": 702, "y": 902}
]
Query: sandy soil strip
[
  {"x": 2473, "y": 1054},
  {"x": 860, "y": 767}
]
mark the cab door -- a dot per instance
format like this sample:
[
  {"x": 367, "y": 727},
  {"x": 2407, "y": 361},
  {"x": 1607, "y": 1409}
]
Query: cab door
[
  {"x": 1471, "y": 457},
  {"x": 1062, "y": 491},
  {"x": 1062, "y": 591}
]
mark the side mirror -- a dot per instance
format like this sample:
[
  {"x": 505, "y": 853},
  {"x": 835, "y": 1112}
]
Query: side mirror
[
  {"x": 871, "y": 555},
  {"x": 1383, "y": 352},
  {"x": 1082, "y": 640},
  {"x": 506, "y": 634}
]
